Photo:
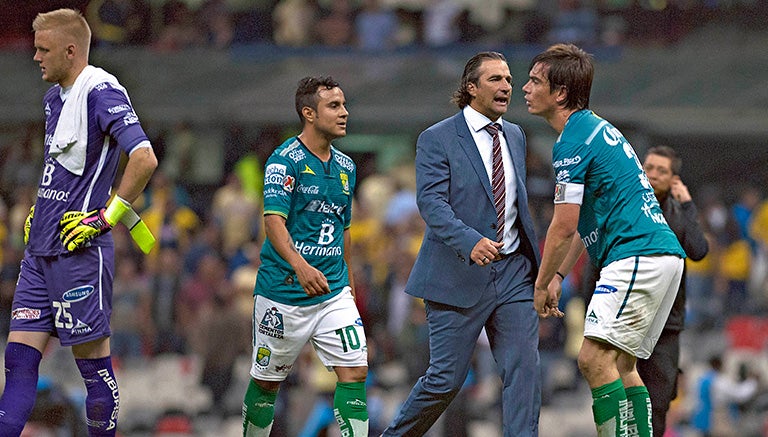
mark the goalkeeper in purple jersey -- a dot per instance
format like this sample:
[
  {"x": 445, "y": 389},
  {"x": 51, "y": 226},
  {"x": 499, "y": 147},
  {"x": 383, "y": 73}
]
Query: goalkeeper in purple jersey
[{"x": 65, "y": 285}]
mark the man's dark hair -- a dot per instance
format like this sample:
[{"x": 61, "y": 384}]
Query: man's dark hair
[
  {"x": 461, "y": 96},
  {"x": 306, "y": 92},
  {"x": 667, "y": 152},
  {"x": 716, "y": 362},
  {"x": 569, "y": 67}
]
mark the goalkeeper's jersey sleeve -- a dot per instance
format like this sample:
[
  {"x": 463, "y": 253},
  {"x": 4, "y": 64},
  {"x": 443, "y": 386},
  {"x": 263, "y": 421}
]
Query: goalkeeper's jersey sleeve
[
  {"x": 112, "y": 126},
  {"x": 619, "y": 215},
  {"x": 315, "y": 198}
]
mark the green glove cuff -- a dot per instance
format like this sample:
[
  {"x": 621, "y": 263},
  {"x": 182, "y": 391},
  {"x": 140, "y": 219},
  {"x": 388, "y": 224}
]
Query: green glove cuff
[{"x": 116, "y": 210}]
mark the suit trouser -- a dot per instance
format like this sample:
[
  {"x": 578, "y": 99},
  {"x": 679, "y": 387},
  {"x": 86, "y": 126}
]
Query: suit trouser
[
  {"x": 659, "y": 373},
  {"x": 506, "y": 311}
]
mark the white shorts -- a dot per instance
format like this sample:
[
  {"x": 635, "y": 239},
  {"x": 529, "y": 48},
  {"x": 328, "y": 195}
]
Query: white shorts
[
  {"x": 632, "y": 300},
  {"x": 280, "y": 331}
]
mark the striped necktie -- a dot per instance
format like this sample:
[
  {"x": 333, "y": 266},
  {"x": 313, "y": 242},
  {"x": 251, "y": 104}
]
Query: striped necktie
[{"x": 497, "y": 181}]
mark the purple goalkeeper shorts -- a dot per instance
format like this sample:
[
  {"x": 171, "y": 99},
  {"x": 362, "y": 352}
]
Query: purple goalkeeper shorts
[{"x": 69, "y": 296}]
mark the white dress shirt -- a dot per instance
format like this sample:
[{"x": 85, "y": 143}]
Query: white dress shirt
[{"x": 476, "y": 123}]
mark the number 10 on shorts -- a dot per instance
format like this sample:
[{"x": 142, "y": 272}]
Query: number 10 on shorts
[{"x": 349, "y": 338}]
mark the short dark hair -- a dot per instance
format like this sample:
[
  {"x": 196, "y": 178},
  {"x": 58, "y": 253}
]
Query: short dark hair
[
  {"x": 306, "y": 92},
  {"x": 461, "y": 96},
  {"x": 668, "y": 152},
  {"x": 569, "y": 67}
]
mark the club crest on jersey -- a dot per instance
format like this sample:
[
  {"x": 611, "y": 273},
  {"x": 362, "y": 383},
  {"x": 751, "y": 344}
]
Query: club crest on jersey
[
  {"x": 263, "y": 354},
  {"x": 272, "y": 323},
  {"x": 77, "y": 294},
  {"x": 344, "y": 182}
]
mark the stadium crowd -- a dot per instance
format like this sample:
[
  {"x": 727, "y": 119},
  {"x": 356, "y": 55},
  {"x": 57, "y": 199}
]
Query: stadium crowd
[{"x": 376, "y": 25}]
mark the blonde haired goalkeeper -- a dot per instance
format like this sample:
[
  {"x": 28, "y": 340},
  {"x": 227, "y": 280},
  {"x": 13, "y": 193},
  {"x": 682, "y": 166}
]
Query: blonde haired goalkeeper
[{"x": 65, "y": 285}]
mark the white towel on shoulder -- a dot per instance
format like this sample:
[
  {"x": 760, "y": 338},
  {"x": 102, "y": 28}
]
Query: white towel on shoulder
[{"x": 70, "y": 139}]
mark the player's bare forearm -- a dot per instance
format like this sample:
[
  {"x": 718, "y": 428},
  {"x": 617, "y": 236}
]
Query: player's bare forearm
[
  {"x": 280, "y": 238},
  {"x": 559, "y": 245},
  {"x": 139, "y": 169},
  {"x": 546, "y": 293},
  {"x": 574, "y": 253},
  {"x": 311, "y": 279}
]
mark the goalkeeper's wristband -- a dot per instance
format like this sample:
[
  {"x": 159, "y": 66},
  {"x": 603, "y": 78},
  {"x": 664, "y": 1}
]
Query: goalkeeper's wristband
[
  {"x": 139, "y": 231},
  {"x": 116, "y": 210}
]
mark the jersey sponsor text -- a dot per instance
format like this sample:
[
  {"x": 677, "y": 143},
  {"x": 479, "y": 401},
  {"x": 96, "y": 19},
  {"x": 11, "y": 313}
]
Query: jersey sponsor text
[{"x": 312, "y": 250}]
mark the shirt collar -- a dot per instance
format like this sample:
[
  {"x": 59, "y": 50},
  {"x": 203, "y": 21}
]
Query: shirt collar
[{"x": 476, "y": 120}]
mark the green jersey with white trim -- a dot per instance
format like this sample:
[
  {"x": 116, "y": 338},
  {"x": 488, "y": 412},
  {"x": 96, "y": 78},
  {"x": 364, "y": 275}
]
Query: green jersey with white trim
[
  {"x": 620, "y": 216},
  {"x": 315, "y": 198}
]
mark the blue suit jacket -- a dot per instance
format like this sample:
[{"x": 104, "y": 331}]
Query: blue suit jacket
[{"x": 455, "y": 199}]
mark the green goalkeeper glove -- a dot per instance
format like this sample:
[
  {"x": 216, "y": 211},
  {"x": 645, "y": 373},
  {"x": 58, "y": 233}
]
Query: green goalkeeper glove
[
  {"x": 28, "y": 224},
  {"x": 79, "y": 228}
]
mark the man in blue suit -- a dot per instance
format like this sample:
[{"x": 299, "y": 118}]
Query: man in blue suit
[{"x": 479, "y": 257}]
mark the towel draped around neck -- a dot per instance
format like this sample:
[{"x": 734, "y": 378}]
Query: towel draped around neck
[{"x": 70, "y": 139}]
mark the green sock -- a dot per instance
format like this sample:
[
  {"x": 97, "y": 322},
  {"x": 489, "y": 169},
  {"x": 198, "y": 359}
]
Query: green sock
[
  {"x": 258, "y": 411},
  {"x": 610, "y": 409},
  {"x": 351, "y": 409},
  {"x": 641, "y": 407}
]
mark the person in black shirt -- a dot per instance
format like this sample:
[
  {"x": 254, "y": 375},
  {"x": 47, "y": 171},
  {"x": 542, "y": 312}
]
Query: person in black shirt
[{"x": 660, "y": 370}]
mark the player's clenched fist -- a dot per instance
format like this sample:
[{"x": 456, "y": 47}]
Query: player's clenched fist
[{"x": 78, "y": 228}]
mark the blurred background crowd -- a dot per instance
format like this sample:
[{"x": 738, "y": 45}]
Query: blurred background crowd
[
  {"x": 169, "y": 25},
  {"x": 182, "y": 314}
]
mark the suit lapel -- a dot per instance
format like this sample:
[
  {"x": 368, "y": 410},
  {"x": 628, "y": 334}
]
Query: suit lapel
[{"x": 470, "y": 148}]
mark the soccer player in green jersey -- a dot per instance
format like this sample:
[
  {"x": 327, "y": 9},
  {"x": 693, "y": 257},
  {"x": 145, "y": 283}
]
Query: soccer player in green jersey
[
  {"x": 304, "y": 288},
  {"x": 604, "y": 203}
]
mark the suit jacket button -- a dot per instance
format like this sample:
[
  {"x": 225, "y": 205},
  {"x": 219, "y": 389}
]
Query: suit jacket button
[
  {"x": 493, "y": 225},
  {"x": 462, "y": 259}
]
